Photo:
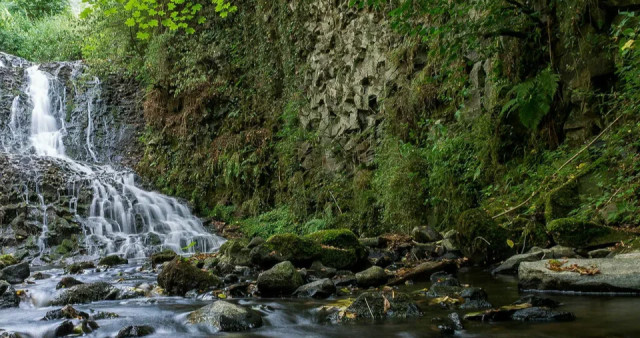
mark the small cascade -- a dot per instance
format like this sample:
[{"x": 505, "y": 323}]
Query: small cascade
[{"x": 122, "y": 218}]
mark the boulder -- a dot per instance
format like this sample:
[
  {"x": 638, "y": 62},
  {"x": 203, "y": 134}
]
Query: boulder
[
  {"x": 87, "y": 293},
  {"x": 163, "y": 256},
  {"x": 380, "y": 306},
  {"x": 67, "y": 282},
  {"x": 15, "y": 273},
  {"x": 79, "y": 267},
  {"x": 320, "y": 289},
  {"x": 480, "y": 238},
  {"x": 281, "y": 280},
  {"x": 318, "y": 270},
  {"x": 425, "y": 234},
  {"x": 113, "y": 260},
  {"x": 339, "y": 248},
  {"x": 236, "y": 252},
  {"x": 285, "y": 247},
  {"x": 226, "y": 317},
  {"x": 373, "y": 276},
  {"x": 135, "y": 331},
  {"x": 510, "y": 266},
  {"x": 614, "y": 275},
  {"x": 8, "y": 296},
  {"x": 580, "y": 234},
  {"x": 474, "y": 298},
  {"x": 179, "y": 276},
  {"x": 67, "y": 312}
]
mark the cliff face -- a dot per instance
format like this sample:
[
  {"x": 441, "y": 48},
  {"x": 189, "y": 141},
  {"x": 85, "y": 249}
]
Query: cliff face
[{"x": 323, "y": 110}]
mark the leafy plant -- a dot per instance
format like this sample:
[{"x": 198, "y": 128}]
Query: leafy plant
[{"x": 532, "y": 99}]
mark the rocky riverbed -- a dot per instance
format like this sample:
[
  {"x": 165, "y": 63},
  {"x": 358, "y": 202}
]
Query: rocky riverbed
[{"x": 287, "y": 285}]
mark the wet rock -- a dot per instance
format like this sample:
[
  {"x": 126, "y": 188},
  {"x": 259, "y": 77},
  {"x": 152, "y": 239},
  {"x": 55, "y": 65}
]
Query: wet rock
[
  {"x": 615, "y": 275},
  {"x": 510, "y": 266},
  {"x": 67, "y": 282},
  {"x": 100, "y": 315},
  {"x": 344, "y": 278},
  {"x": 339, "y": 248},
  {"x": 474, "y": 298},
  {"x": 383, "y": 258},
  {"x": 67, "y": 312},
  {"x": 226, "y": 317},
  {"x": 373, "y": 276},
  {"x": 318, "y": 270},
  {"x": 541, "y": 314},
  {"x": 8, "y": 296},
  {"x": 15, "y": 273},
  {"x": 230, "y": 278},
  {"x": 425, "y": 234},
  {"x": 280, "y": 280},
  {"x": 423, "y": 271},
  {"x": 85, "y": 327},
  {"x": 380, "y": 306},
  {"x": 113, "y": 260},
  {"x": 537, "y": 301},
  {"x": 285, "y": 247},
  {"x": 64, "y": 329},
  {"x": 320, "y": 289},
  {"x": 444, "y": 278},
  {"x": 560, "y": 251},
  {"x": 599, "y": 253},
  {"x": 480, "y": 238},
  {"x": 86, "y": 293},
  {"x": 161, "y": 257},
  {"x": 40, "y": 276},
  {"x": 455, "y": 319},
  {"x": 79, "y": 267},
  {"x": 238, "y": 289},
  {"x": 135, "y": 331},
  {"x": 6, "y": 260},
  {"x": 179, "y": 276},
  {"x": 235, "y": 252}
]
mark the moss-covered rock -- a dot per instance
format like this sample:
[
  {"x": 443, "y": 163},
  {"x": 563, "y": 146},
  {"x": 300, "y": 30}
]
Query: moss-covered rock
[
  {"x": 559, "y": 202},
  {"x": 576, "y": 233},
  {"x": 339, "y": 248},
  {"x": 380, "y": 306},
  {"x": 163, "y": 256},
  {"x": 225, "y": 317},
  {"x": 281, "y": 280},
  {"x": 179, "y": 276},
  {"x": 67, "y": 246},
  {"x": 298, "y": 250},
  {"x": 236, "y": 252},
  {"x": 78, "y": 267},
  {"x": 480, "y": 238},
  {"x": 6, "y": 260},
  {"x": 113, "y": 260}
]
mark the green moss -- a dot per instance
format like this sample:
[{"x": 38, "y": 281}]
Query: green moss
[
  {"x": 561, "y": 201},
  {"x": 576, "y": 233},
  {"x": 113, "y": 260},
  {"x": 163, "y": 256},
  {"x": 340, "y": 248},
  {"x": 293, "y": 247},
  {"x": 67, "y": 246},
  {"x": 235, "y": 252},
  {"x": 480, "y": 238},
  {"x": 6, "y": 260}
]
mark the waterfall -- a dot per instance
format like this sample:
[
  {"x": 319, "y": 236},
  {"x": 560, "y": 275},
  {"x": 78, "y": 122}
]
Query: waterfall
[{"x": 123, "y": 218}]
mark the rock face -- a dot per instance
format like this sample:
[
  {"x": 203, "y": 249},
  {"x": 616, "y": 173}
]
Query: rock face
[
  {"x": 580, "y": 234},
  {"x": 8, "y": 296},
  {"x": 281, "y": 280},
  {"x": 616, "y": 275},
  {"x": 226, "y": 316},
  {"x": 16, "y": 273},
  {"x": 178, "y": 277}
]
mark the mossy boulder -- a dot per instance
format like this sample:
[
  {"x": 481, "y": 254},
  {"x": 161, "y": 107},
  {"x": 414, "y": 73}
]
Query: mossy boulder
[
  {"x": 113, "y": 260},
  {"x": 281, "y": 280},
  {"x": 377, "y": 305},
  {"x": 6, "y": 260},
  {"x": 162, "y": 256},
  {"x": 87, "y": 293},
  {"x": 339, "y": 248},
  {"x": 180, "y": 276},
  {"x": 480, "y": 238},
  {"x": 576, "y": 233},
  {"x": 226, "y": 317},
  {"x": 236, "y": 252},
  {"x": 298, "y": 250},
  {"x": 67, "y": 246},
  {"x": 78, "y": 267},
  {"x": 559, "y": 202}
]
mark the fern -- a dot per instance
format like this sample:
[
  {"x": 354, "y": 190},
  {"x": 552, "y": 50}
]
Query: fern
[{"x": 532, "y": 99}]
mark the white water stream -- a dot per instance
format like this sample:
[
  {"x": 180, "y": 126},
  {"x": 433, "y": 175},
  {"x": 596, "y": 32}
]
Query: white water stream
[{"x": 122, "y": 218}]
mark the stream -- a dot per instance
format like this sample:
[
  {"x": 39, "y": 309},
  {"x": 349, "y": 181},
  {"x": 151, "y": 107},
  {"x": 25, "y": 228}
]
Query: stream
[{"x": 596, "y": 316}]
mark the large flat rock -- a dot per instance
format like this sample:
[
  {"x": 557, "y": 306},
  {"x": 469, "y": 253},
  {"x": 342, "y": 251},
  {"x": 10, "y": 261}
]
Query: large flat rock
[{"x": 621, "y": 274}]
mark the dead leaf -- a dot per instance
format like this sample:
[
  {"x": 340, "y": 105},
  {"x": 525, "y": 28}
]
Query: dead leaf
[{"x": 387, "y": 305}]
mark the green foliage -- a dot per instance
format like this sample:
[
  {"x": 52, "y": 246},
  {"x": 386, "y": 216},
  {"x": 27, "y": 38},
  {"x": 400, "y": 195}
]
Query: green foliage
[
  {"x": 151, "y": 17},
  {"x": 532, "y": 98},
  {"x": 37, "y": 9}
]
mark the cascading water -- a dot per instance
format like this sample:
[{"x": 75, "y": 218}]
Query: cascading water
[{"x": 122, "y": 218}]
